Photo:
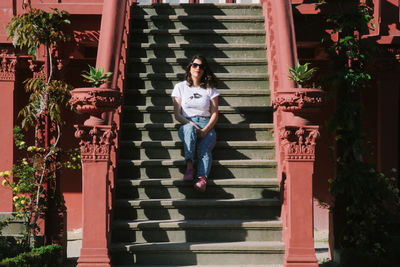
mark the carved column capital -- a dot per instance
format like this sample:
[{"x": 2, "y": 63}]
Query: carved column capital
[
  {"x": 95, "y": 141},
  {"x": 8, "y": 63},
  {"x": 298, "y": 142}
]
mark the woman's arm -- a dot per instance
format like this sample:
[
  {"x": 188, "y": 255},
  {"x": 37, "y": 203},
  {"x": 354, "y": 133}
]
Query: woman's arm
[
  {"x": 178, "y": 113},
  {"x": 213, "y": 117}
]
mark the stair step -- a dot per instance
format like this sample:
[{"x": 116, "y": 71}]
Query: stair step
[
  {"x": 200, "y": 253},
  {"x": 196, "y": 231},
  {"x": 241, "y": 265},
  {"x": 163, "y": 36},
  {"x": 158, "y": 168},
  {"x": 169, "y": 131},
  {"x": 176, "y": 65},
  {"x": 160, "y": 114},
  {"x": 177, "y": 188},
  {"x": 226, "y": 80},
  {"x": 197, "y": 209},
  {"x": 140, "y": 50},
  {"x": 198, "y": 9},
  {"x": 197, "y": 22},
  {"x": 229, "y": 97},
  {"x": 174, "y": 150}
]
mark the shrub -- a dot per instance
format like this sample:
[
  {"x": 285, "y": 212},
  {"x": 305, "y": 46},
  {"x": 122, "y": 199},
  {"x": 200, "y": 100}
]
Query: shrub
[{"x": 47, "y": 256}]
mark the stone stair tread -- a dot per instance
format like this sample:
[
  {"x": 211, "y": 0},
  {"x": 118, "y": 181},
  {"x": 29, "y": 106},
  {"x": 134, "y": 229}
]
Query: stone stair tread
[
  {"x": 202, "y": 5},
  {"x": 210, "y": 60},
  {"x": 199, "y": 31},
  {"x": 198, "y": 224},
  {"x": 217, "y": 126},
  {"x": 172, "y": 144},
  {"x": 227, "y": 247},
  {"x": 254, "y": 182},
  {"x": 223, "y": 92},
  {"x": 225, "y": 162},
  {"x": 200, "y": 17},
  {"x": 196, "y": 45},
  {"x": 221, "y": 109},
  {"x": 236, "y": 202},
  {"x": 180, "y": 76},
  {"x": 213, "y": 265}
]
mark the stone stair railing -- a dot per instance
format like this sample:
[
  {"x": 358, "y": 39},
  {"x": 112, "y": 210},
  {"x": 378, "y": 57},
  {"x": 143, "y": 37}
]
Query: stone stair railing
[
  {"x": 296, "y": 141},
  {"x": 98, "y": 133}
]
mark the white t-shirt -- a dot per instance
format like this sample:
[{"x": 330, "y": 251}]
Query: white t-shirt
[{"x": 195, "y": 100}]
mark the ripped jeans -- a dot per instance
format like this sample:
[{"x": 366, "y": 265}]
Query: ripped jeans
[{"x": 188, "y": 134}]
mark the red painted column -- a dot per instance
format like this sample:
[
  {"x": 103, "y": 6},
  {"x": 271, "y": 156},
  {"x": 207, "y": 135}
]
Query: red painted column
[
  {"x": 7, "y": 84},
  {"x": 96, "y": 142},
  {"x": 298, "y": 143}
]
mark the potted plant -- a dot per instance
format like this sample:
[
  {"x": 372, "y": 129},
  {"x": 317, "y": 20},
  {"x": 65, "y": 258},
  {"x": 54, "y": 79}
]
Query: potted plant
[
  {"x": 96, "y": 77},
  {"x": 302, "y": 74},
  {"x": 95, "y": 100}
]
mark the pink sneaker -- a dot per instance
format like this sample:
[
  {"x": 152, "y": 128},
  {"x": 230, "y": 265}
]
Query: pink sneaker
[
  {"x": 188, "y": 174},
  {"x": 201, "y": 184}
]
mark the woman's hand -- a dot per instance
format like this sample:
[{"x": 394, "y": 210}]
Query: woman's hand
[
  {"x": 201, "y": 133},
  {"x": 213, "y": 119}
]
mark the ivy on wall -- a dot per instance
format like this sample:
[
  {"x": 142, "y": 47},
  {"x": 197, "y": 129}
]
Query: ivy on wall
[{"x": 364, "y": 200}]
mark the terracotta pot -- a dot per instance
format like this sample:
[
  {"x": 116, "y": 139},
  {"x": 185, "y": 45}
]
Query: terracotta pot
[{"x": 95, "y": 101}]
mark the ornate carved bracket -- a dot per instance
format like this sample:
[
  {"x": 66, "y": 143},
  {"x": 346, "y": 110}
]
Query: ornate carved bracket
[
  {"x": 37, "y": 68},
  {"x": 298, "y": 142},
  {"x": 7, "y": 66},
  {"x": 96, "y": 141},
  {"x": 299, "y": 99}
]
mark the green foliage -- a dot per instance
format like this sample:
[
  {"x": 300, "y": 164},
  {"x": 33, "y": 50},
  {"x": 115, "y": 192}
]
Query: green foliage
[
  {"x": 364, "y": 199},
  {"x": 96, "y": 77},
  {"x": 47, "y": 97},
  {"x": 47, "y": 256},
  {"x": 9, "y": 247},
  {"x": 37, "y": 27},
  {"x": 28, "y": 181},
  {"x": 301, "y": 74}
]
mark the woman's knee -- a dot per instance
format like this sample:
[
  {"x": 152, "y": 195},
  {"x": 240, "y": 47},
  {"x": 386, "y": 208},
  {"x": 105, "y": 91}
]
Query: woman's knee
[{"x": 187, "y": 129}]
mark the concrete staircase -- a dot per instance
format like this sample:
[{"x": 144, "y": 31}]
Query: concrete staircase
[{"x": 160, "y": 220}]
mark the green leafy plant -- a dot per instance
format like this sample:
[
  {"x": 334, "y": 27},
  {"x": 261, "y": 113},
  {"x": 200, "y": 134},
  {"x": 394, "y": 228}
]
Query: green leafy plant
[
  {"x": 301, "y": 74},
  {"x": 364, "y": 200},
  {"x": 47, "y": 98},
  {"x": 47, "y": 256},
  {"x": 96, "y": 77},
  {"x": 29, "y": 177},
  {"x": 38, "y": 27},
  {"x": 31, "y": 30}
]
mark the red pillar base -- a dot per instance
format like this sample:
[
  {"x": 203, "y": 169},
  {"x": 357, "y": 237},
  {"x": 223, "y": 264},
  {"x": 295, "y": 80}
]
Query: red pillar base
[
  {"x": 96, "y": 257},
  {"x": 301, "y": 257}
]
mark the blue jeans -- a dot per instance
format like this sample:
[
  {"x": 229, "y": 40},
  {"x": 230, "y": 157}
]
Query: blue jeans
[{"x": 188, "y": 134}]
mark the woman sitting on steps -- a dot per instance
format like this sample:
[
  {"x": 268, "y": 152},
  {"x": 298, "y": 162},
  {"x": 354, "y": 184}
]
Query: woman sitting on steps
[{"x": 196, "y": 107}]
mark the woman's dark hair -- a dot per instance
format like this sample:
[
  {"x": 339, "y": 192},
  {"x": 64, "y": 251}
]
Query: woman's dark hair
[{"x": 208, "y": 80}]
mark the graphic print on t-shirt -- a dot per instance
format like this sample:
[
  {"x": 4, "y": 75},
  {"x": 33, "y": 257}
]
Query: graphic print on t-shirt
[{"x": 195, "y": 95}]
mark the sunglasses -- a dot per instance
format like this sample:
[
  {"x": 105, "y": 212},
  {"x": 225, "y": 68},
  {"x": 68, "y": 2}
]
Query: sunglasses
[{"x": 195, "y": 65}]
